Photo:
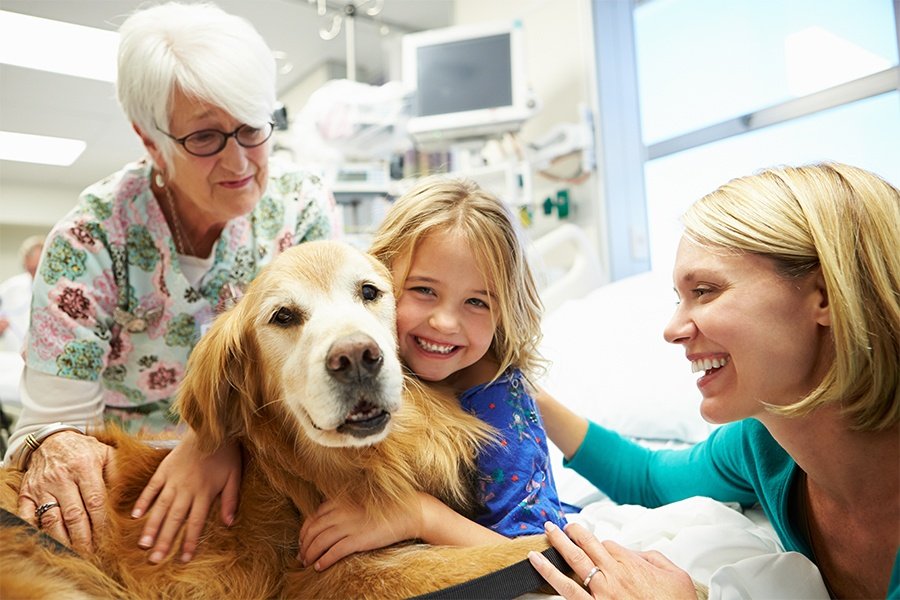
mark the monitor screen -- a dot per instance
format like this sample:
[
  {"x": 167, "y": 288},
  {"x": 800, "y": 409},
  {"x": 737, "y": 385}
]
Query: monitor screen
[
  {"x": 464, "y": 75},
  {"x": 467, "y": 81}
]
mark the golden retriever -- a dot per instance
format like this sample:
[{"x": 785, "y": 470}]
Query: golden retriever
[{"x": 304, "y": 372}]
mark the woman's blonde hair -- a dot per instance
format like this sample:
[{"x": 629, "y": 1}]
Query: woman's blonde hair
[
  {"x": 843, "y": 221},
  {"x": 440, "y": 204}
]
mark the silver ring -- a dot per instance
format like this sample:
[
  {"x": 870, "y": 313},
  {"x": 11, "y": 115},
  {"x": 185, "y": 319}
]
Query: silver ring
[
  {"x": 591, "y": 573},
  {"x": 42, "y": 509}
]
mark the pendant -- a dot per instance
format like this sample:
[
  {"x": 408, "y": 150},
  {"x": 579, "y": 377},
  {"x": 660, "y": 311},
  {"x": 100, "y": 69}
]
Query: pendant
[
  {"x": 229, "y": 296},
  {"x": 139, "y": 321}
]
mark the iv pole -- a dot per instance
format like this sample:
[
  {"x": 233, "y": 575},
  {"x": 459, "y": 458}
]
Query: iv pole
[{"x": 350, "y": 11}]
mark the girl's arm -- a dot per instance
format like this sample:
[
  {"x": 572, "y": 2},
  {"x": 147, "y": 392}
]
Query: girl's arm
[
  {"x": 338, "y": 530},
  {"x": 180, "y": 494},
  {"x": 564, "y": 428}
]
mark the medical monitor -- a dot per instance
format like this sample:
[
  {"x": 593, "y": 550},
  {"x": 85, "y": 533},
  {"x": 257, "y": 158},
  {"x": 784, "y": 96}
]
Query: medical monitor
[{"x": 467, "y": 81}]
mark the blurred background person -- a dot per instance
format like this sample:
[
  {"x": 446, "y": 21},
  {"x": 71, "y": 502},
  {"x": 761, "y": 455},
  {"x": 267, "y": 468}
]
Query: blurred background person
[{"x": 15, "y": 296}]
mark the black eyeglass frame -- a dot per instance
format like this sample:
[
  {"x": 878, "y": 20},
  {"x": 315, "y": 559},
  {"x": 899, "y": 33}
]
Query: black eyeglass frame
[{"x": 225, "y": 137}]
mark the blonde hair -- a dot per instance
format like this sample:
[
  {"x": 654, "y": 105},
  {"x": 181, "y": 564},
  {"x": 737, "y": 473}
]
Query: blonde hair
[
  {"x": 843, "y": 221},
  {"x": 445, "y": 204}
]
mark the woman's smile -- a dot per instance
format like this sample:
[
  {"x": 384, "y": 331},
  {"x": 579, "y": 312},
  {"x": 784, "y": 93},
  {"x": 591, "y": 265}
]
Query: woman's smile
[{"x": 237, "y": 183}]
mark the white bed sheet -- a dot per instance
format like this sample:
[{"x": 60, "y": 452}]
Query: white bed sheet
[{"x": 739, "y": 557}]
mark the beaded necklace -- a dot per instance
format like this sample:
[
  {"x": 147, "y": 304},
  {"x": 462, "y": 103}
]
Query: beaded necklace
[{"x": 182, "y": 243}]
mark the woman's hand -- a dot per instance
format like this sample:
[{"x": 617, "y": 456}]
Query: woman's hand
[
  {"x": 621, "y": 573},
  {"x": 183, "y": 488},
  {"x": 68, "y": 469},
  {"x": 338, "y": 530}
]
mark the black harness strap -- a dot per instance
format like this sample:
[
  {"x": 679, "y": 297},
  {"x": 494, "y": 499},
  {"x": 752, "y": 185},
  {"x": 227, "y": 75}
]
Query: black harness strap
[
  {"x": 8, "y": 519},
  {"x": 505, "y": 584}
]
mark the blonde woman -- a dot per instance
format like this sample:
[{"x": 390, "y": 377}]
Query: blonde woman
[{"x": 789, "y": 309}]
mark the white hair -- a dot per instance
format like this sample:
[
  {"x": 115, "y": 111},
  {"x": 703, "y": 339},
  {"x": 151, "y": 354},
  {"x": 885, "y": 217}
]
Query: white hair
[{"x": 207, "y": 53}]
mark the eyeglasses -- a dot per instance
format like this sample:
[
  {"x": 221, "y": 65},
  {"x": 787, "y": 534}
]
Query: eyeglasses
[{"x": 207, "y": 142}]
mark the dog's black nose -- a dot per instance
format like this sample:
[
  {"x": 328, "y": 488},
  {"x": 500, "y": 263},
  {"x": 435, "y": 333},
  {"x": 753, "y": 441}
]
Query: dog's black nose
[{"x": 354, "y": 357}]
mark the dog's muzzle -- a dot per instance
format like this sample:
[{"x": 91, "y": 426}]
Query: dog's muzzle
[{"x": 354, "y": 363}]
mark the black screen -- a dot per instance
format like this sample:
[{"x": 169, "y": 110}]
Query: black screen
[{"x": 464, "y": 75}]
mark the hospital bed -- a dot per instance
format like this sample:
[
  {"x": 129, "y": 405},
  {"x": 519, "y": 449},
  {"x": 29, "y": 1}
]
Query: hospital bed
[{"x": 609, "y": 362}]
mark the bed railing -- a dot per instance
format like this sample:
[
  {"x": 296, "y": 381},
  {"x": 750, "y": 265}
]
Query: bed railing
[{"x": 565, "y": 264}]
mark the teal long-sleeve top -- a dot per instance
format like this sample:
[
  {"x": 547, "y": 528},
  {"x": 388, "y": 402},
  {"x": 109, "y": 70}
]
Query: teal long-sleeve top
[{"x": 739, "y": 462}]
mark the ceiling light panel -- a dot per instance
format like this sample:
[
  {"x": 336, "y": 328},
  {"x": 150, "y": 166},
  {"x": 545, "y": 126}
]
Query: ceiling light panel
[
  {"x": 41, "y": 149},
  {"x": 58, "y": 47}
]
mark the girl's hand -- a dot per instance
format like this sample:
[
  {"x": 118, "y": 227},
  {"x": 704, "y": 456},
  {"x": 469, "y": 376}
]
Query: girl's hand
[
  {"x": 68, "y": 469},
  {"x": 338, "y": 530},
  {"x": 622, "y": 573},
  {"x": 183, "y": 488}
]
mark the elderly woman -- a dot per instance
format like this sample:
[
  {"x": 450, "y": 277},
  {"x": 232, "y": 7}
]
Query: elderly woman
[
  {"x": 130, "y": 279},
  {"x": 788, "y": 284}
]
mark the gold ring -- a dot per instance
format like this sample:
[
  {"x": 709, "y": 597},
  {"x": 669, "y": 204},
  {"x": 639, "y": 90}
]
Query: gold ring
[{"x": 591, "y": 573}]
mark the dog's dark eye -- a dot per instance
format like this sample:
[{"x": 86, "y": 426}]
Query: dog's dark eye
[
  {"x": 285, "y": 317},
  {"x": 369, "y": 292}
]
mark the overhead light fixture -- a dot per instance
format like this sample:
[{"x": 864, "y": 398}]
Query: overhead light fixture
[
  {"x": 58, "y": 47},
  {"x": 41, "y": 149}
]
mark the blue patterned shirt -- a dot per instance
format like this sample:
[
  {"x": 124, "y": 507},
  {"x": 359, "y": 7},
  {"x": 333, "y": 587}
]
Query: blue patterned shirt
[{"x": 515, "y": 481}]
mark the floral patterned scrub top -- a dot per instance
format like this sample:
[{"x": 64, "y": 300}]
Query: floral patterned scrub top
[
  {"x": 515, "y": 481},
  {"x": 111, "y": 303}
]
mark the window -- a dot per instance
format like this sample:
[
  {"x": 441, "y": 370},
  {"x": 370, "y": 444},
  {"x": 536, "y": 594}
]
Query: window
[
  {"x": 700, "y": 62},
  {"x": 727, "y": 88},
  {"x": 864, "y": 133}
]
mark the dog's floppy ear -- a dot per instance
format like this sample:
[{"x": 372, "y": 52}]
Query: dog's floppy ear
[{"x": 210, "y": 397}]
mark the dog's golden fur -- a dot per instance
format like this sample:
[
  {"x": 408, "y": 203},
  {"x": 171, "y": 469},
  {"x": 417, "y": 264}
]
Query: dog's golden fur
[{"x": 260, "y": 375}]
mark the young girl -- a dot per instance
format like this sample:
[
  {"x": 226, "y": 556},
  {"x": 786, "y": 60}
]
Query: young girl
[{"x": 468, "y": 316}]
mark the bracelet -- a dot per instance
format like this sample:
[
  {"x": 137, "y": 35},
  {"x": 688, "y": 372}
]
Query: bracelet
[{"x": 34, "y": 440}]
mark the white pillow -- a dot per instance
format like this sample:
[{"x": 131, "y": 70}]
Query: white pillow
[{"x": 610, "y": 363}]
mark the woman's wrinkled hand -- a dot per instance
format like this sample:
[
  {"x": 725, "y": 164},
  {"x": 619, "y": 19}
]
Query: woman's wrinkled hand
[
  {"x": 620, "y": 573},
  {"x": 180, "y": 493},
  {"x": 68, "y": 469}
]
